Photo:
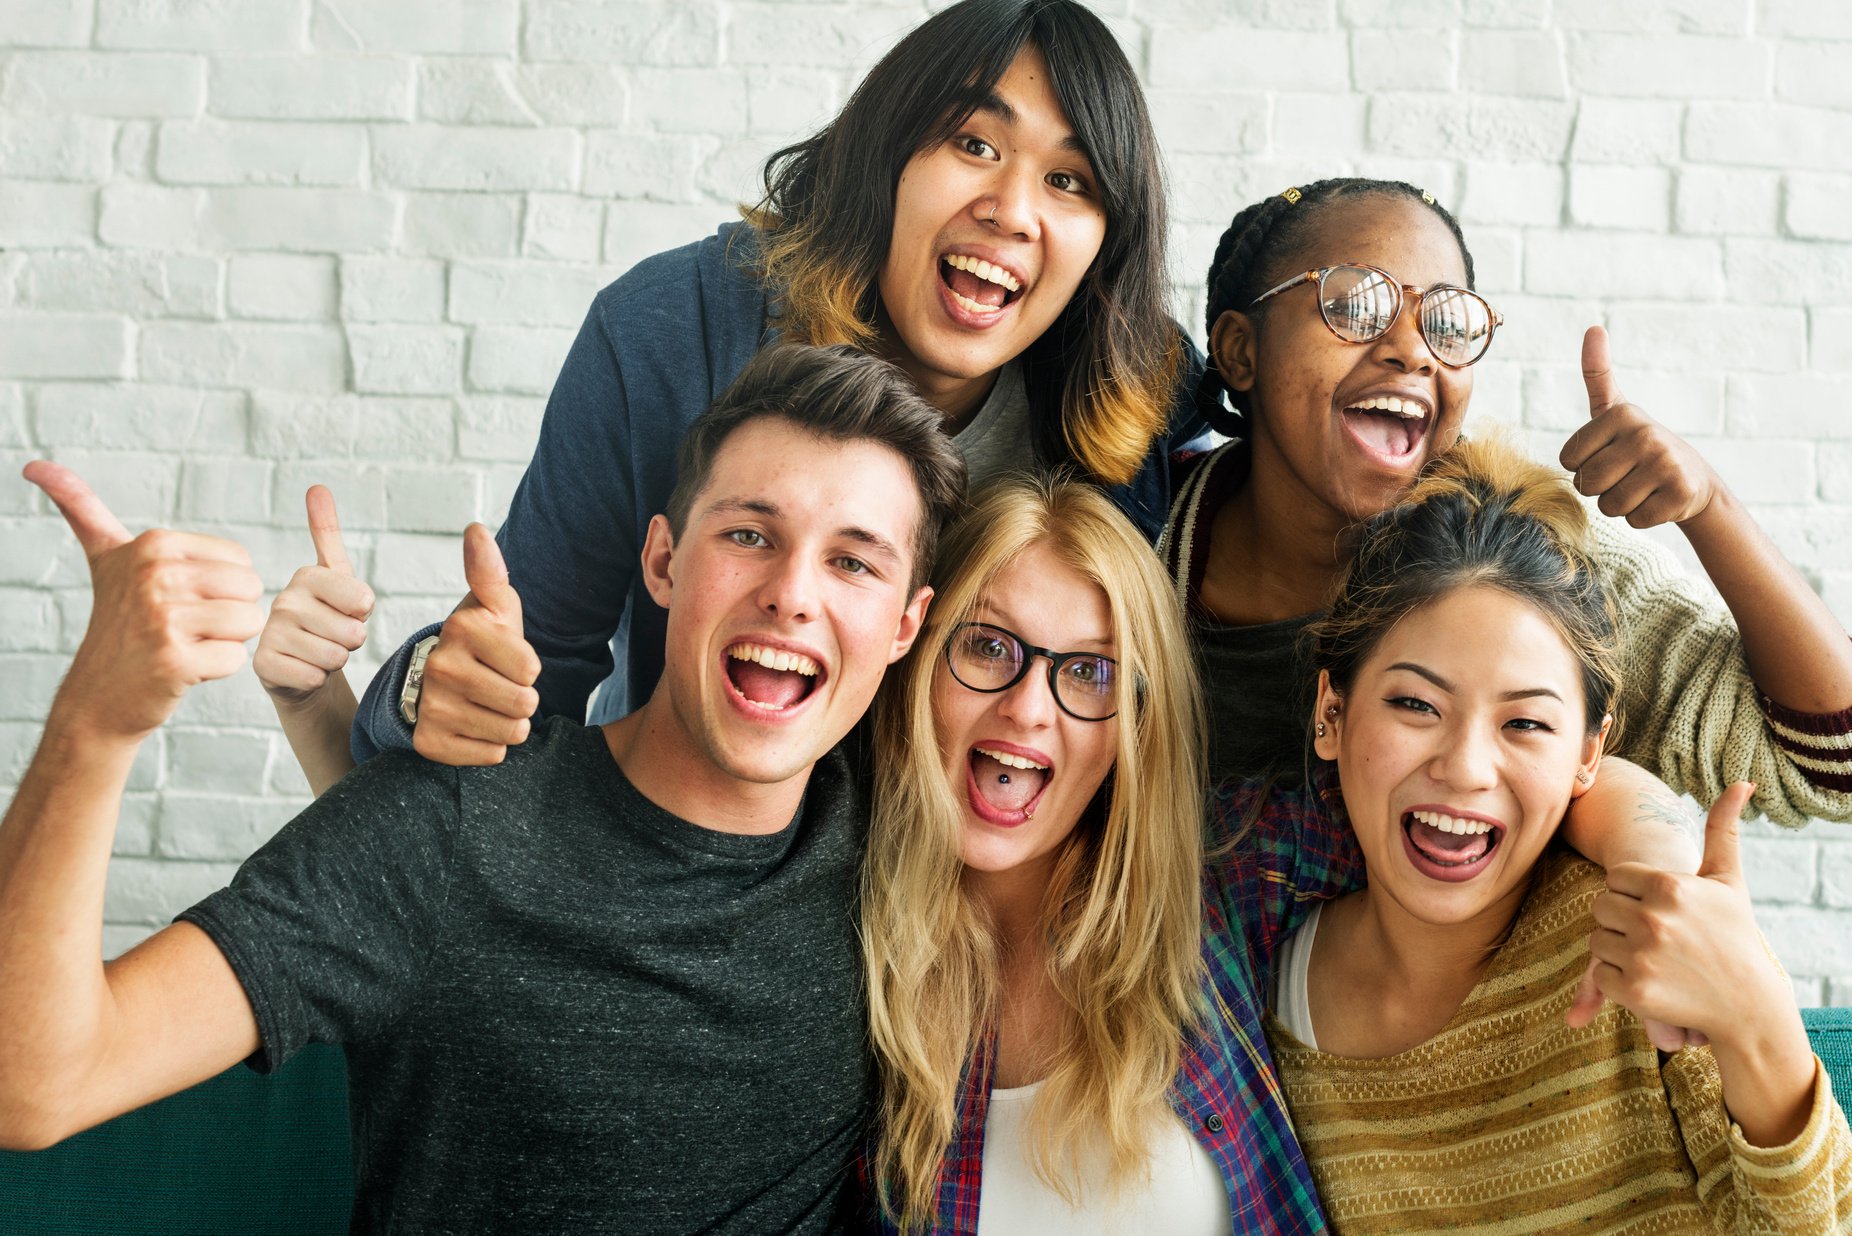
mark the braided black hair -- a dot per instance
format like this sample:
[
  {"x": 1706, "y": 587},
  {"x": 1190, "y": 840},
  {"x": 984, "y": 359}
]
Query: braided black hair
[{"x": 1252, "y": 256}]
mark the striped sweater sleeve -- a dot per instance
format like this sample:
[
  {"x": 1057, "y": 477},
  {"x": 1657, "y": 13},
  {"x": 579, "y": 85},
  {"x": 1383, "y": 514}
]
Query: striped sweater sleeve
[
  {"x": 1691, "y": 714},
  {"x": 1800, "y": 1188}
]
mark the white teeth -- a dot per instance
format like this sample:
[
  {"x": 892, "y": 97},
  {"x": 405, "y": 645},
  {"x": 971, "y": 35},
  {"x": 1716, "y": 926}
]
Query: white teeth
[
  {"x": 1407, "y": 409},
  {"x": 974, "y": 306},
  {"x": 1452, "y": 824},
  {"x": 773, "y": 658},
  {"x": 985, "y": 271},
  {"x": 1010, "y": 761}
]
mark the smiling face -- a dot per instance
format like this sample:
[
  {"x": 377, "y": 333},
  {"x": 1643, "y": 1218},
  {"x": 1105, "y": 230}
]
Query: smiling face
[
  {"x": 1024, "y": 769},
  {"x": 1458, "y": 746},
  {"x": 1349, "y": 424},
  {"x": 993, "y": 231},
  {"x": 788, "y": 598}
]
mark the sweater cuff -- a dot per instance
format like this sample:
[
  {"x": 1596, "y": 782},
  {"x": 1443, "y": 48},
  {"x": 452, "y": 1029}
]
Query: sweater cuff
[
  {"x": 1810, "y": 1147},
  {"x": 1819, "y": 744}
]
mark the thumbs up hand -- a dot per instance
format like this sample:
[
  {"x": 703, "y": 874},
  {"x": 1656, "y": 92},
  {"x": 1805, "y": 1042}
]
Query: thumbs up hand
[
  {"x": 170, "y": 610},
  {"x": 1638, "y": 469},
  {"x": 1684, "y": 949},
  {"x": 478, "y": 690},
  {"x": 319, "y": 619}
]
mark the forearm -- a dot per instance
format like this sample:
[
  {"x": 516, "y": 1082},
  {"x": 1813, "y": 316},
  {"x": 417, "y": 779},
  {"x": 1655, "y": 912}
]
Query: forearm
[
  {"x": 54, "y": 858},
  {"x": 1797, "y": 652},
  {"x": 1630, "y": 816},
  {"x": 318, "y": 729},
  {"x": 1768, "y": 1073}
]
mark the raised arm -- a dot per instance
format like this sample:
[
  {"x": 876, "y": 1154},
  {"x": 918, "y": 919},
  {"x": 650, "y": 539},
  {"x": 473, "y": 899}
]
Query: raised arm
[
  {"x": 81, "y": 1041},
  {"x": 1771, "y": 1147},
  {"x": 1796, "y": 652},
  {"x": 315, "y": 624},
  {"x": 571, "y": 548}
]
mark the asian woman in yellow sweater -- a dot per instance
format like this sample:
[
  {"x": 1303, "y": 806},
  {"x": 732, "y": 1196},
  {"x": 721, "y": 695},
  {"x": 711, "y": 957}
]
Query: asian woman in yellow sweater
[{"x": 1467, "y": 680}]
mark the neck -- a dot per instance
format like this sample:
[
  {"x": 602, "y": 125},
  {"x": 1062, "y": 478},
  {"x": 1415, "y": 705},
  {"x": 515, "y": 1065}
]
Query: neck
[
  {"x": 1417, "y": 963},
  {"x": 957, "y": 399},
  {"x": 1014, "y": 899},
  {"x": 658, "y": 758},
  {"x": 1275, "y": 552}
]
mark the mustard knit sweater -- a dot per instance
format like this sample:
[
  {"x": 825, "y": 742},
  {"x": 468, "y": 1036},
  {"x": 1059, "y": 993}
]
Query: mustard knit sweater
[{"x": 1509, "y": 1121}]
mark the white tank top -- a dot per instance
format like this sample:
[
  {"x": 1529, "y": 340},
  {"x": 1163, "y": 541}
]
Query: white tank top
[{"x": 1183, "y": 1195}]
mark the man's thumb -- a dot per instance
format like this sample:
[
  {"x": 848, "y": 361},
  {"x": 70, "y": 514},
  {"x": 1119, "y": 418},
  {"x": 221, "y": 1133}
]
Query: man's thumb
[
  {"x": 1722, "y": 839},
  {"x": 1598, "y": 371},
  {"x": 488, "y": 574},
  {"x": 325, "y": 531},
  {"x": 96, "y": 526}
]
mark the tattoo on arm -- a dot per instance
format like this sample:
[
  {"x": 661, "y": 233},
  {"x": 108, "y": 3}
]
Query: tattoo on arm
[{"x": 1666, "y": 809}]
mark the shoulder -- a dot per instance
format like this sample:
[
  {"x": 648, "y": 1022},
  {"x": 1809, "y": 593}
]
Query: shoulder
[
  {"x": 711, "y": 282},
  {"x": 1558, "y": 911}
]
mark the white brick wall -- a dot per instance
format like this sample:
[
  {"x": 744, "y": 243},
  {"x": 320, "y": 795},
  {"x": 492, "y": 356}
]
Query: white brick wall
[{"x": 247, "y": 245}]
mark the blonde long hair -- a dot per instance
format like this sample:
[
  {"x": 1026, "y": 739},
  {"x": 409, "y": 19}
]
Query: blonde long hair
[{"x": 1122, "y": 914}]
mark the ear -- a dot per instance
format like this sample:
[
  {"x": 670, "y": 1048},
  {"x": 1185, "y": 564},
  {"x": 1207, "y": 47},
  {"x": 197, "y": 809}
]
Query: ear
[
  {"x": 1330, "y": 711},
  {"x": 912, "y": 619},
  {"x": 1232, "y": 350},
  {"x": 658, "y": 549},
  {"x": 1590, "y": 767}
]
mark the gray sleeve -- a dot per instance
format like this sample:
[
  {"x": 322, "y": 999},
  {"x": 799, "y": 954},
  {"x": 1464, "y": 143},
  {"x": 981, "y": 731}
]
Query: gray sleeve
[{"x": 332, "y": 926}]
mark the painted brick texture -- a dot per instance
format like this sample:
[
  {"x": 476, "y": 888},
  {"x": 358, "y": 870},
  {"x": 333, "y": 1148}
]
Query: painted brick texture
[{"x": 246, "y": 247}]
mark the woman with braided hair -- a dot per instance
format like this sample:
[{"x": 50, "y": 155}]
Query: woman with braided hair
[{"x": 1342, "y": 333}]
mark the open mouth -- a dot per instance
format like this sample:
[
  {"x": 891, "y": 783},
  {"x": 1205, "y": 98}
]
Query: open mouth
[
  {"x": 771, "y": 678},
  {"x": 978, "y": 286},
  {"x": 1448, "y": 847},
  {"x": 1389, "y": 425},
  {"x": 1004, "y": 787}
]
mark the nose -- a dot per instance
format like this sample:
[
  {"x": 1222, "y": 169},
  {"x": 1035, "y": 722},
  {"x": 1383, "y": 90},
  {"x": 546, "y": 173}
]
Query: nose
[
  {"x": 1011, "y": 204},
  {"x": 1469, "y": 758},
  {"x": 790, "y": 589},
  {"x": 1031, "y": 702},
  {"x": 1403, "y": 348}
]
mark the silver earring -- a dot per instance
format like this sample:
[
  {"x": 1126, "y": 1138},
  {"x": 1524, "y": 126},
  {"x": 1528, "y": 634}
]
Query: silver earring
[
  {"x": 1321, "y": 729},
  {"x": 1585, "y": 776}
]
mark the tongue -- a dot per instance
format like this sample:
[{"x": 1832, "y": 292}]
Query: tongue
[
  {"x": 1389, "y": 434},
  {"x": 1448, "y": 847},
  {"x": 763, "y": 685},
  {"x": 969, "y": 286},
  {"x": 1013, "y": 794}
]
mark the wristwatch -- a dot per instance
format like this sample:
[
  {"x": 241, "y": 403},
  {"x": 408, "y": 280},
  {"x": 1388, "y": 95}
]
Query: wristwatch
[{"x": 414, "y": 679}]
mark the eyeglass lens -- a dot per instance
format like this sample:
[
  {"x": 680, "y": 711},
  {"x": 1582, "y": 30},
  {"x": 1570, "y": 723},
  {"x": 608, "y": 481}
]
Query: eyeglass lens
[
  {"x": 987, "y": 658},
  {"x": 1361, "y": 305}
]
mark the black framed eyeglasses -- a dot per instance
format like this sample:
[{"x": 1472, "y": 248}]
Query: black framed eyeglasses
[
  {"x": 1361, "y": 303},
  {"x": 988, "y": 658}
]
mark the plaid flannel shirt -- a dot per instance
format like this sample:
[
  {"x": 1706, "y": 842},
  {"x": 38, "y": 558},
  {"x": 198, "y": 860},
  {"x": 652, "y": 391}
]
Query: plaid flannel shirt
[{"x": 1257, "y": 887}]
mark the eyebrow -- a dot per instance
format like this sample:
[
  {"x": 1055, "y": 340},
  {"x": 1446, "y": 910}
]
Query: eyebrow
[
  {"x": 770, "y": 510},
  {"x": 1004, "y": 618},
  {"x": 996, "y": 105},
  {"x": 1525, "y": 693}
]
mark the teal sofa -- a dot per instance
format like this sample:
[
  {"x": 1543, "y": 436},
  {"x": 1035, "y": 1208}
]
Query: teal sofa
[{"x": 250, "y": 1156}]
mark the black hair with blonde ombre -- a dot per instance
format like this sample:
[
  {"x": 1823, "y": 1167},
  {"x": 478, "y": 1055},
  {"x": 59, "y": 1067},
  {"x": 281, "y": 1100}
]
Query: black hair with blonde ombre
[
  {"x": 1481, "y": 514},
  {"x": 1100, "y": 377},
  {"x": 1264, "y": 244}
]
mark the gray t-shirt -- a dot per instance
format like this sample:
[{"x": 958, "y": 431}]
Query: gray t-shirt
[
  {"x": 998, "y": 439},
  {"x": 564, "y": 1009}
]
